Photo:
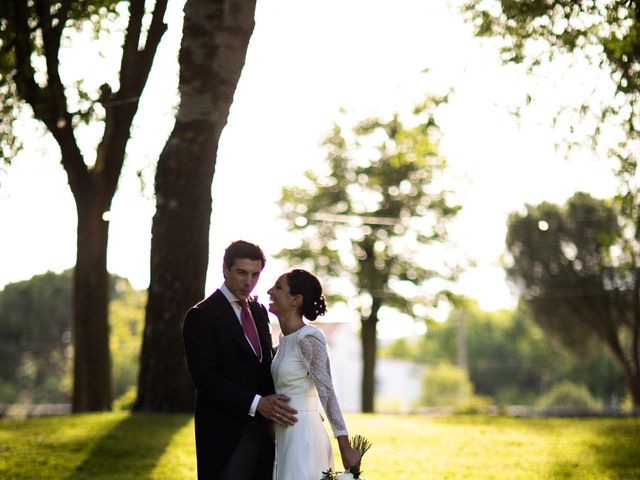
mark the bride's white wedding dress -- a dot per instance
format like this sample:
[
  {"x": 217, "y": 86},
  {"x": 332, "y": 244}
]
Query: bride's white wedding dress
[{"x": 301, "y": 370}]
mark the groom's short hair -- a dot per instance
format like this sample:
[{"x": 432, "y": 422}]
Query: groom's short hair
[{"x": 242, "y": 249}]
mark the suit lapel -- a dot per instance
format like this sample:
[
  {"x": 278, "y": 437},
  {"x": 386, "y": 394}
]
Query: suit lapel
[{"x": 224, "y": 313}]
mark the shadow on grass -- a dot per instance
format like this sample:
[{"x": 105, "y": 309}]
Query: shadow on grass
[
  {"x": 566, "y": 470},
  {"x": 618, "y": 452},
  {"x": 132, "y": 448}
]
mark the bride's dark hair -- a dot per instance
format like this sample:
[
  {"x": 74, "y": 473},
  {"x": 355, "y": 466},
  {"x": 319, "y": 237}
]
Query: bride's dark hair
[{"x": 303, "y": 283}]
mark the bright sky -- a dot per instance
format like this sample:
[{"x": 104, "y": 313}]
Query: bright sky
[{"x": 306, "y": 61}]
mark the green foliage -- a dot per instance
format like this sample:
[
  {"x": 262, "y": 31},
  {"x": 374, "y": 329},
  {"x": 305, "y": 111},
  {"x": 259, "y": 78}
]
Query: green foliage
[
  {"x": 474, "y": 405},
  {"x": 599, "y": 372},
  {"x": 564, "y": 26},
  {"x": 399, "y": 348},
  {"x": 35, "y": 348},
  {"x": 120, "y": 446},
  {"x": 568, "y": 395},
  {"x": 560, "y": 255},
  {"x": 23, "y": 25},
  {"x": 604, "y": 34},
  {"x": 444, "y": 385}
]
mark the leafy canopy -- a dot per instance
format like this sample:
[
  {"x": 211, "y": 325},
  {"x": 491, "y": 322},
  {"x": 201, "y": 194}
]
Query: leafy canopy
[
  {"x": 32, "y": 32},
  {"x": 604, "y": 34},
  {"x": 380, "y": 200},
  {"x": 560, "y": 262}
]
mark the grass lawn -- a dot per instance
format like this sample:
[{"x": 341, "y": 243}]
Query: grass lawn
[{"x": 146, "y": 446}]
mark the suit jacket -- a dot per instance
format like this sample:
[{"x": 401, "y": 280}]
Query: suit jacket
[{"x": 227, "y": 375}]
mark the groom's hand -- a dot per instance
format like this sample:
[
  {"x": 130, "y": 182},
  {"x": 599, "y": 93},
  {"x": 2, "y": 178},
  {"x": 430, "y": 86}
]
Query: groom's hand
[{"x": 276, "y": 407}]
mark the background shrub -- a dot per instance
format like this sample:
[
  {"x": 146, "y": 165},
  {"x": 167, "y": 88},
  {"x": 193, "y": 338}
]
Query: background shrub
[
  {"x": 445, "y": 385},
  {"x": 568, "y": 395}
]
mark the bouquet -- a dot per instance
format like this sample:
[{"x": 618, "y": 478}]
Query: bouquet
[{"x": 361, "y": 444}]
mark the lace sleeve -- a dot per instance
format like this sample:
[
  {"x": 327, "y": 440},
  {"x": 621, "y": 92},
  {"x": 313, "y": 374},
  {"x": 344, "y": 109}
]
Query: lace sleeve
[{"x": 316, "y": 360}]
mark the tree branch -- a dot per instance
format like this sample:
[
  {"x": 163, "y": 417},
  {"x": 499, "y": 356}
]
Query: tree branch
[
  {"x": 154, "y": 35},
  {"x": 55, "y": 112},
  {"x": 134, "y": 71},
  {"x": 128, "y": 65},
  {"x": 24, "y": 76}
]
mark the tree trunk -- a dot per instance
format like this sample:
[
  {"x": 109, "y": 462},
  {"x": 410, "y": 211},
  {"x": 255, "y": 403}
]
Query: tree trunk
[
  {"x": 215, "y": 39},
  {"x": 634, "y": 389},
  {"x": 92, "y": 387},
  {"x": 462, "y": 342},
  {"x": 369, "y": 337},
  {"x": 634, "y": 380},
  {"x": 179, "y": 257},
  {"x": 630, "y": 370}
]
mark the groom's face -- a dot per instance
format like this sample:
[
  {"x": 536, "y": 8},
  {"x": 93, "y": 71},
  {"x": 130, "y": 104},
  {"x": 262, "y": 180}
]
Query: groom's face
[{"x": 242, "y": 276}]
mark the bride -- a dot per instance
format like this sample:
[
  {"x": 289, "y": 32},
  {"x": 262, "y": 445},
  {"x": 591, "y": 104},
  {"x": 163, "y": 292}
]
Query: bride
[{"x": 300, "y": 370}]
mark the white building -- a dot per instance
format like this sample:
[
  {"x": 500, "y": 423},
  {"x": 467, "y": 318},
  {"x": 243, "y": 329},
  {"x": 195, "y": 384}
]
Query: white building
[{"x": 397, "y": 381}]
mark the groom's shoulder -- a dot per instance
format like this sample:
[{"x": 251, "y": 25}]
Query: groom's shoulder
[
  {"x": 211, "y": 303},
  {"x": 201, "y": 312},
  {"x": 211, "y": 300}
]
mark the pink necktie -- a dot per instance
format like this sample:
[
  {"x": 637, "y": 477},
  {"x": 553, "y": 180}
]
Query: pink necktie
[{"x": 249, "y": 328}]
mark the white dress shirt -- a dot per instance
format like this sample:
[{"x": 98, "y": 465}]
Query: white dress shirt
[{"x": 235, "y": 304}]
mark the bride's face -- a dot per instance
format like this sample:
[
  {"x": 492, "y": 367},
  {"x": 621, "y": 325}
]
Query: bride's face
[{"x": 281, "y": 299}]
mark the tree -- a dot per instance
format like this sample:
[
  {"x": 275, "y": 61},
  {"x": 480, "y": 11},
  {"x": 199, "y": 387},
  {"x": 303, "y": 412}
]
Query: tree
[
  {"x": 35, "y": 348},
  {"x": 35, "y": 319},
  {"x": 216, "y": 35},
  {"x": 570, "y": 267},
  {"x": 33, "y": 34},
  {"x": 366, "y": 219},
  {"x": 604, "y": 34}
]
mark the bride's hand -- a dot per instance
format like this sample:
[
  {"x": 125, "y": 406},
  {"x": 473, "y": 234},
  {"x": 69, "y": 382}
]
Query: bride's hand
[{"x": 350, "y": 456}]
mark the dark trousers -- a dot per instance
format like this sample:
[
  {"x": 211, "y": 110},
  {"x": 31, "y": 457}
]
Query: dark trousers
[{"x": 253, "y": 458}]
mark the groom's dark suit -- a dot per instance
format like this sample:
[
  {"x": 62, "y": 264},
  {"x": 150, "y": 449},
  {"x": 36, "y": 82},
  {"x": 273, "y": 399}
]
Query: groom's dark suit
[{"x": 227, "y": 375}]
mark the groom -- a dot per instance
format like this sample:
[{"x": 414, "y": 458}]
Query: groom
[{"x": 228, "y": 345}]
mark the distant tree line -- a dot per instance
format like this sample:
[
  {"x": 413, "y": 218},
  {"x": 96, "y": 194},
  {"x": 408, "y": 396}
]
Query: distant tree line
[
  {"x": 36, "y": 348},
  {"x": 508, "y": 357}
]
